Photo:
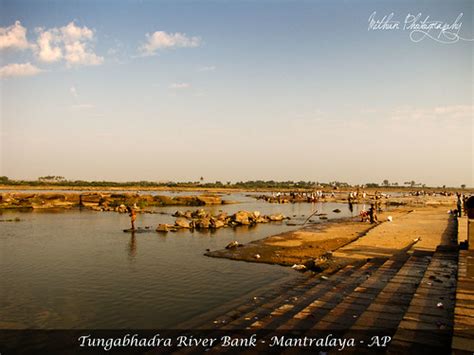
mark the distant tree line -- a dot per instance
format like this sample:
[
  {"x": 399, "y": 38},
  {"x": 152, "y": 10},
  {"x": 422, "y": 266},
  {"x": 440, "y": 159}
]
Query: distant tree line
[{"x": 52, "y": 180}]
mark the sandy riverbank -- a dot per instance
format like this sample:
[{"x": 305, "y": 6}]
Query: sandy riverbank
[{"x": 332, "y": 244}]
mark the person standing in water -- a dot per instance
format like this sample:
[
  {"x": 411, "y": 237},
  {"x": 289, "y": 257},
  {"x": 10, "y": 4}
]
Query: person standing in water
[{"x": 133, "y": 216}]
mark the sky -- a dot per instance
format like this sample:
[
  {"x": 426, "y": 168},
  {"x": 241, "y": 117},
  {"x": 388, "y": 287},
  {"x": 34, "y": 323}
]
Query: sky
[{"x": 237, "y": 90}]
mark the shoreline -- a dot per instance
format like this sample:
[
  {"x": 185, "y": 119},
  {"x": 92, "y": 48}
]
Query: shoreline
[
  {"x": 370, "y": 190},
  {"x": 319, "y": 246},
  {"x": 311, "y": 246},
  {"x": 100, "y": 199}
]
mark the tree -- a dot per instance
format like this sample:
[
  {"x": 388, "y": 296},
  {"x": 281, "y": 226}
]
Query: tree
[
  {"x": 386, "y": 182},
  {"x": 463, "y": 186}
]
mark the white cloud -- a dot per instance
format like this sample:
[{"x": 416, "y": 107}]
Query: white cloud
[
  {"x": 455, "y": 111},
  {"x": 73, "y": 92},
  {"x": 13, "y": 36},
  {"x": 368, "y": 110},
  {"x": 117, "y": 52},
  {"x": 78, "y": 54},
  {"x": 78, "y": 104},
  {"x": 82, "y": 106},
  {"x": 208, "y": 68},
  {"x": 47, "y": 50},
  {"x": 73, "y": 33},
  {"x": 449, "y": 112},
  {"x": 19, "y": 69},
  {"x": 163, "y": 40},
  {"x": 179, "y": 86},
  {"x": 70, "y": 43}
]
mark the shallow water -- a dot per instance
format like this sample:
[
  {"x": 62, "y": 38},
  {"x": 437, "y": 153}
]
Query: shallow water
[{"x": 77, "y": 269}]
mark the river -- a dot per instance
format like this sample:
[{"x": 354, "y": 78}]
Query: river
[{"x": 76, "y": 269}]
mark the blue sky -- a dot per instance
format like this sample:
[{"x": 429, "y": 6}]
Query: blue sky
[{"x": 175, "y": 90}]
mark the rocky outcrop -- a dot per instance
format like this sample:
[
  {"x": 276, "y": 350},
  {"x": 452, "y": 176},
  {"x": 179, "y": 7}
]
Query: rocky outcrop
[
  {"x": 209, "y": 199},
  {"x": 183, "y": 223},
  {"x": 100, "y": 201},
  {"x": 222, "y": 216},
  {"x": 242, "y": 217},
  {"x": 163, "y": 228},
  {"x": 276, "y": 217},
  {"x": 203, "y": 223},
  {"x": 200, "y": 219},
  {"x": 215, "y": 223}
]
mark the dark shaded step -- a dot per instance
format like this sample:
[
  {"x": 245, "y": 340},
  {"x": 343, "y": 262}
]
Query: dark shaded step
[
  {"x": 339, "y": 285},
  {"x": 291, "y": 297},
  {"x": 334, "y": 304},
  {"x": 428, "y": 321}
]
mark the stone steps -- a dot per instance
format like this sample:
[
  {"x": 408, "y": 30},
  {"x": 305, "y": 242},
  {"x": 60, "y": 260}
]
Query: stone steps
[
  {"x": 463, "y": 335},
  {"x": 397, "y": 296},
  {"x": 297, "y": 295},
  {"x": 338, "y": 284},
  {"x": 335, "y": 309},
  {"x": 294, "y": 292},
  {"x": 428, "y": 322},
  {"x": 335, "y": 302}
]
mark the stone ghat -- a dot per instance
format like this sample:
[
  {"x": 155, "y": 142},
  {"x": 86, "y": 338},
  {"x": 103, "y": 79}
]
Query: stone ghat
[{"x": 101, "y": 201}]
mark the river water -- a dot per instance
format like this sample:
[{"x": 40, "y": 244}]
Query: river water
[{"x": 77, "y": 268}]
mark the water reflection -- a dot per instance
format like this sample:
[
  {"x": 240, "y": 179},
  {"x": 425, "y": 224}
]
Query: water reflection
[
  {"x": 132, "y": 246},
  {"x": 244, "y": 230}
]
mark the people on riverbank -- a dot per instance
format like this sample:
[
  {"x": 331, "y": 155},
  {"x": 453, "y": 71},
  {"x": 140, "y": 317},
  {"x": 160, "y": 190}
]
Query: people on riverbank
[
  {"x": 459, "y": 203},
  {"x": 373, "y": 214}
]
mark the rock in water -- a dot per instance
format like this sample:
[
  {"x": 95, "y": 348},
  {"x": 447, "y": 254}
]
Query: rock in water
[
  {"x": 209, "y": 199},
  {"x": 222, "y": 216},
  {"x": 215, "y": 223},
  {"x": 232, "y": 245},
  {"x": 183, "y": 223},
  {"x": 203, "y": 223},
  {"x": 299, "y": 267},
  {"x": 121, "y": 209},
  {"x": 276, "y": 217},
  {"x": 337, "y": 210},
  {"x": 178, "y": 214},
  {"x": 162, "y": 228},
  {"x": 242, "y": 217}
]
